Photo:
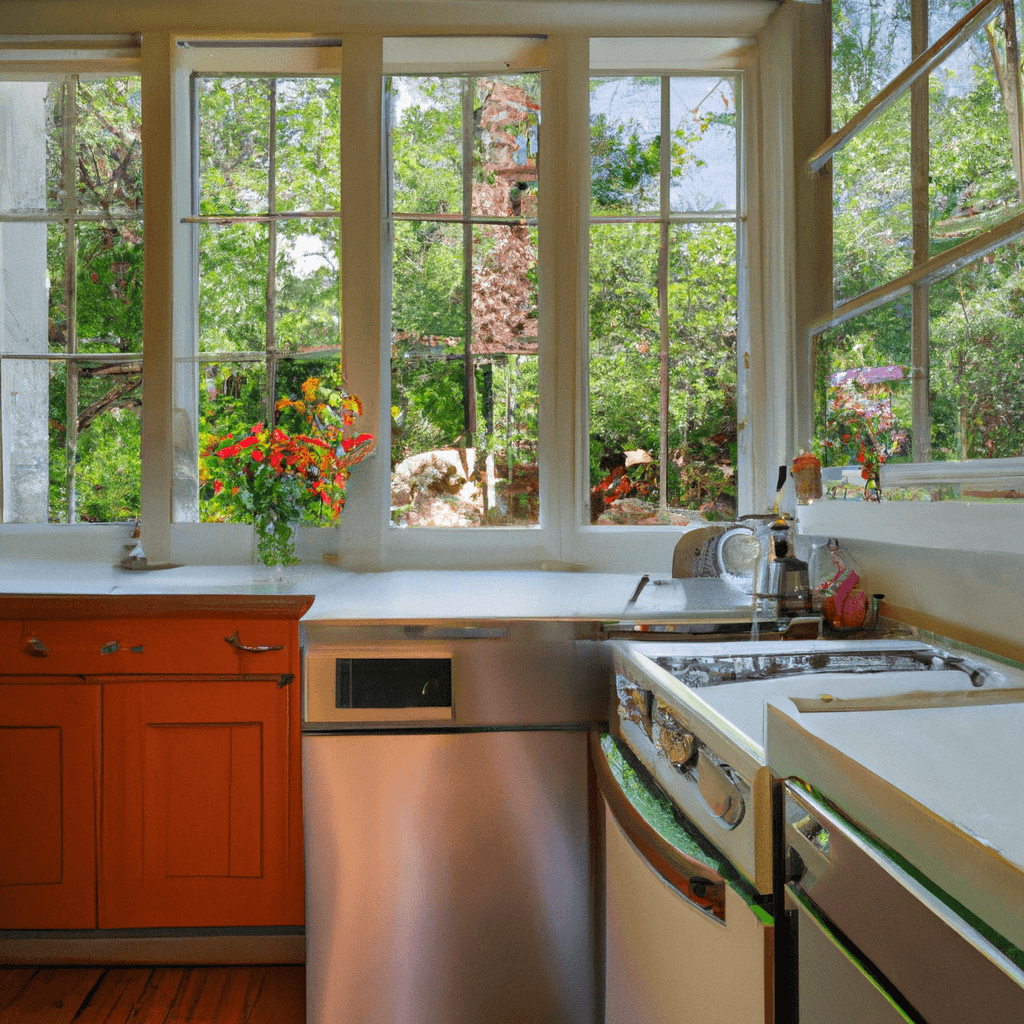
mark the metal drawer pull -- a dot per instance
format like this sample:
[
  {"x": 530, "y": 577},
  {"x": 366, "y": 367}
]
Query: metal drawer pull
[
  {"x": 36, "y": 647},
  {"x": 235, "y": 642},
  {"x": 719, "y": 793}
]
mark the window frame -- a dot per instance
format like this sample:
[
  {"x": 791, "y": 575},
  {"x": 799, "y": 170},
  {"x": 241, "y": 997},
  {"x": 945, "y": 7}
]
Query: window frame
[
  {"x": 34, "y": 62},
  {"x": 666, "y": 219},
  {"x": 362, "y": 539},
  {"x": 916, "y": 281}
]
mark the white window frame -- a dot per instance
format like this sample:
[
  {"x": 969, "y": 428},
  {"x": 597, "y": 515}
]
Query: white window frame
[
  {"x": 947, "y": 524},
  {"x": 625, "y": 547},
  {"x": 67, "y": 59}
]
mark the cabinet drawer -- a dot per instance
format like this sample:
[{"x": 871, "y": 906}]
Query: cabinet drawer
[{"x": 221, "y": 646}]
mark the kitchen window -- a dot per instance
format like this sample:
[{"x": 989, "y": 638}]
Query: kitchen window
[
  {"x": 920, "y": 367},
  {"x": 252, "y": 147},
  {"x": 71, "y": 250},
  {"x": 462, "y": 158},
  {"x": 664, "y": 201},
  {"x": 267, "y": 216}
]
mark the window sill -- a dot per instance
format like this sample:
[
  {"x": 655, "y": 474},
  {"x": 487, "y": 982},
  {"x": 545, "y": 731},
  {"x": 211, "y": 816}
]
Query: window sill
[{"x": 949, "y": 525}]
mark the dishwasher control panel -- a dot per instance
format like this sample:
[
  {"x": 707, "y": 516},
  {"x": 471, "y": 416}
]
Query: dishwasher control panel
[{"x": 382, "y": 684}]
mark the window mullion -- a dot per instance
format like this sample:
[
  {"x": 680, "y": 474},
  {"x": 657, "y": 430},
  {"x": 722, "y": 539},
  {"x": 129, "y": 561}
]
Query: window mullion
[
  {"x": 665, "y": 169},
  {"x": 469, "y": 387},
  {"x": 919, "y": 144},
  {"x": 271, "y": 314}
]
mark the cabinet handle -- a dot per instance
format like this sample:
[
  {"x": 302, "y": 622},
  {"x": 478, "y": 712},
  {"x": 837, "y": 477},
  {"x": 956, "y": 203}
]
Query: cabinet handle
[
  {"x": 36, "y": 647},
  {"x": 235, "y": 642}
]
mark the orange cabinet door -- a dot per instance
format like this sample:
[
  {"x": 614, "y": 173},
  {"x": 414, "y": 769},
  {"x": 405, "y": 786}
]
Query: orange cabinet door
[
  {"x": 49, "y": 772},
  {"x": 200, "y": 783}
]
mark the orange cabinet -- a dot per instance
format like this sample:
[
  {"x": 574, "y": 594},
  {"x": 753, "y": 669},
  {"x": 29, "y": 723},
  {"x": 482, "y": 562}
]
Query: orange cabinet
[
  {"x": 49, "y": 769},
  {"x": 199, "y": 805},
  {"x": 150, "y": 766}
]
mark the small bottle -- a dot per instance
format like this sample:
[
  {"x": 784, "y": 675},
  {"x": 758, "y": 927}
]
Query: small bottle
[{"x": 806, "y": 474}]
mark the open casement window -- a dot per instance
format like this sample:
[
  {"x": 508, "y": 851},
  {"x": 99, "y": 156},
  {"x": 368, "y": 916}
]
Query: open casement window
[
  {"x": 664, "y": 223},
  {"x": 265, "y": 217},
  {"x": 920, "y": 367},
  {"x": 71, "y": 238},
  {"x": 462, "y": 153}
]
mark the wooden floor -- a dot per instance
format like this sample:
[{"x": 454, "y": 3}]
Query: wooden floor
[{"x": 153, "y": 995}]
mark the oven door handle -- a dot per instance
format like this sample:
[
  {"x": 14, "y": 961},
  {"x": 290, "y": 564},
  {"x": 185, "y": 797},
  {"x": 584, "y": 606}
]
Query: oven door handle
[{"x": 719, "y": 793}]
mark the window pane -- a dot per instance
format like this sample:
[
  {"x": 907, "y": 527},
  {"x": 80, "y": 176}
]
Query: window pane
[
  {"x": 234, "y": 145},
  {"x": 109, "y": 149},
  {"x": 625, "y": 373},
  {"x": 703, "y": 144},
  {"x": 871, "y": 205},
  {"x": 426, "y": 142},
  {"x": 427, "y": 270},
  {"x": 506, "y": 134},
  {"x": 308, "y": 144},
  {"x": 625, "y": 146},
  {"x": 54, "y": 238},
  {"x": 231, "y": 402},
  {"x": 973, "y": 186},
  {"x": 863, "y": 396},
  {"x": 109, "y": 267},
  {"x": 109, "y": 448},
  {"x": 977, "y": 356},
  {"x": 27, "y": 111},
  {"x": 233, "y": 287},
  {"x": 308, "y": 285},
  {"x": 870, "y": 46}
]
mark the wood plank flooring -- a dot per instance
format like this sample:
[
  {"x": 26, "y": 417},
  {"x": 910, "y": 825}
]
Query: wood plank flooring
[{"x": 261, "y": 994}]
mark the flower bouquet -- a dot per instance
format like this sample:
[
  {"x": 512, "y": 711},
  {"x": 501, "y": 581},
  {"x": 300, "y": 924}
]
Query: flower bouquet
[{"x": 296, "y": 471}]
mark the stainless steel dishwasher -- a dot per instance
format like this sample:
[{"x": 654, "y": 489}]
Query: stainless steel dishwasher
[{"x": 448, "y": 823}]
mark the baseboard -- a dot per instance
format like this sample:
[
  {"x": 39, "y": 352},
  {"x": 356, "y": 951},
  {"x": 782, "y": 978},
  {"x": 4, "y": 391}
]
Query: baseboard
[{"x": 108, "y": 949}]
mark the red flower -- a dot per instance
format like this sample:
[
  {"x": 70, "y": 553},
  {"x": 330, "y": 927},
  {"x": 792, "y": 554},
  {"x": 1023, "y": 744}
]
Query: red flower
[
  {"x": 866, "y": 474},
  {"x": 860, "y": 457},
  {"x": 846, "y": 437},
  {"x": 217, "y": 487},
  {"x": 257, "y": 455},
  {"x": 232, "y": 449},
  {"x": 256, "y": 428}
]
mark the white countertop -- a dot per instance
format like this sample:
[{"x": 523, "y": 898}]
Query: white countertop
[
  {"x": 942, "y": 786},
  {"x": 387, "y": 596}
]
